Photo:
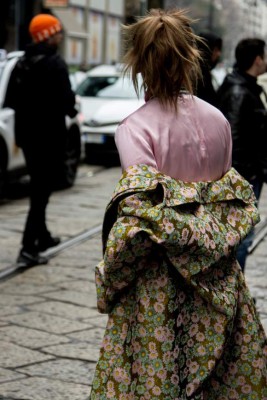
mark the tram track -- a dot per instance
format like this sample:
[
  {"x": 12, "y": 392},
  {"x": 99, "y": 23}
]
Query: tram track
[
  {"x": 12, "y": 270},
  {"x": 15, "y": 269}
]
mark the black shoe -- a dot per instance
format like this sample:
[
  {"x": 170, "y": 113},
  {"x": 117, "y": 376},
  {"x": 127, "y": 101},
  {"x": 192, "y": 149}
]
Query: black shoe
[
  {"x": 47, "y": 243},
  {"x": 27, "y": 259}
]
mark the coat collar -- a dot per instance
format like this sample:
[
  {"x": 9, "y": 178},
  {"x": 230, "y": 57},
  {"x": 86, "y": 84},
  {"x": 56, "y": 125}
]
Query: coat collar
[{"x": 142, "y": 177}]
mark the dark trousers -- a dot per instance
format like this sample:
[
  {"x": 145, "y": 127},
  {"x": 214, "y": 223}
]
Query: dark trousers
[
  {"x": 40, "y": 169},
  {"x": 242, "y": 251}
]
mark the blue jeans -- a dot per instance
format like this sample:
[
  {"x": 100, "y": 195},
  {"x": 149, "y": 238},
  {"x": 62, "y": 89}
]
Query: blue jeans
[{"x": 242, "y": 250}]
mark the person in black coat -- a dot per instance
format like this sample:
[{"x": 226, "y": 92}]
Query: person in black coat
[
  {"x": 40, "y": 93},
  {"x": 211, "y": 48},
  {"x": 241, "y": 103}
]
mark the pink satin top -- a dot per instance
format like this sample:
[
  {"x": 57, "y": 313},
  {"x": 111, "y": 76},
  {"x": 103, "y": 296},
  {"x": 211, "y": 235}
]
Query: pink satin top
[{"x": 191, "y": 145}]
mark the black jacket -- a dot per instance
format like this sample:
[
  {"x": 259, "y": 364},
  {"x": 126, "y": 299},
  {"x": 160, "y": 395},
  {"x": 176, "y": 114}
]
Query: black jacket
[
  {"x": 205, "y": 89},
  {"x": 240, "y": 102},
  {"x": 39, "y": 91}
]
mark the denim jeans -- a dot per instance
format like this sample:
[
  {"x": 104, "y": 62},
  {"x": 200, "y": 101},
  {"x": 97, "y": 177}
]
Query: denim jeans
[{"x": 242, "y": 250}]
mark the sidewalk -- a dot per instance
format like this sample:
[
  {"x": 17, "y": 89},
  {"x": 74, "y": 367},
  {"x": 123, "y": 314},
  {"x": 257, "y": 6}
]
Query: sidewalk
[
  {"x": 256, "y": 268},
  {"x": 50, "y": 330}
]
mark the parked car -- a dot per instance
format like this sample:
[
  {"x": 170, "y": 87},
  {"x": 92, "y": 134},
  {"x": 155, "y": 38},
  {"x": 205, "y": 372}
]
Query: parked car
[
  {"x": 76, "y": 78},
  {"x": 106, "y": 99},
  {"x": 12, "y": 163}
]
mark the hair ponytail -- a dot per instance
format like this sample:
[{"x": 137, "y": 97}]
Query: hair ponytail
[{"x": 163, "y": 48}]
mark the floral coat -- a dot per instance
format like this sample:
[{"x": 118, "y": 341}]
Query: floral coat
[{"x": 182, "y": 324}]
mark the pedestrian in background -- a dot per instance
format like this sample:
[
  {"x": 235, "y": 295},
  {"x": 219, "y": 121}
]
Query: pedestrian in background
[
  {"x": 40, "y": 93},
  {"x": 182, "y": 324},
  {"x": 241, "y": 103},
  {"x": 211, "y": 49}
]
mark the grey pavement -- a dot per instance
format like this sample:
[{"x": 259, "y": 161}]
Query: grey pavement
[{"x": 50, "y": 330}]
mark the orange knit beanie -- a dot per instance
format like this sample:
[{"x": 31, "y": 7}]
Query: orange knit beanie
[{"x": 43, "y": 26}]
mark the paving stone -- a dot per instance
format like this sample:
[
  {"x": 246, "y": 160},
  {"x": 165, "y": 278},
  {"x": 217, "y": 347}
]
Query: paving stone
[
  {"x": 7, "y": 375},
  {"x": 97, "y": 319},
  {"x": 94, "y": 335},
  {"x": 30, "y": 338},
  {"x": 260, "y": 293},
  {"x": 74, "y": 371},
  {"x": 55, "y": 273},
  {"x": 78, "y": 351},
  {"x": 46, "y": 322},
  {"x": 262, "y": 305},
  {"x": 70, "y": 262},
  {"x": 26, "y": 289},
  {"x": 260, "y": 250},
  {"x": 16, "y": 300},
  {"x": 13, "y": 356},
  {"x": 61, "y": 309},
  {"x": 70, "y": 296},
  {"x": 9, "y": 310},
  {"x": 264, "y": 323},
  {"x": 79, "y": 286},
  {"x": 254, "y": 271},
  {"x": 257, "y": 282},
  {"x": 43, "y": 389}
]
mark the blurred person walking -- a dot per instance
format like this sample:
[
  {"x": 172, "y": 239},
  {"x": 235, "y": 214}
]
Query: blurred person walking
[
  {"x": 182, "y": 324},
  {"x": 241, "y": 103},
  {"x": 40, "y": 93},
  {"x": 211, "y": 49}
]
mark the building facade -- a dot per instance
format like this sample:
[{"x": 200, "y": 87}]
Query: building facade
[
  {"x": 92, "y": 28},
  {"x": 233, "y": 20},
  {"x": 242, "y": 19},
  {"x": 93, "y": 31}
]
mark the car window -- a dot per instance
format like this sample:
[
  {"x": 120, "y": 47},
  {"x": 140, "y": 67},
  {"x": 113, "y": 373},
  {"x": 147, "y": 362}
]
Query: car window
[
  {"x": 93, "y": 84},
  {"x": 122, "y": 89}
]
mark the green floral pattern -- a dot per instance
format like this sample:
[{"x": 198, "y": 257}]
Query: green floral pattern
[{"x": 182, "y": 324}]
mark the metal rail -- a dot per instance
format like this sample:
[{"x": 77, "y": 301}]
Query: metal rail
[
  {"x": 15, "y": 269},
  {"x": 260, "y": 232}
]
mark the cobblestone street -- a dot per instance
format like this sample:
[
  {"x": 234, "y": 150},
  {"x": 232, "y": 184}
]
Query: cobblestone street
[{"x": 50, "y": 330}]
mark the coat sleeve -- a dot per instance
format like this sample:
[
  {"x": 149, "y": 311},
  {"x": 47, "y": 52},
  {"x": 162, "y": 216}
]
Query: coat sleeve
[
  {"x": 64, "y": 93},
  {"x": 128, "y": 248}
]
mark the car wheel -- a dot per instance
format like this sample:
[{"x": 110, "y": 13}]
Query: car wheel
[
  {"x": 2, "y": 182},
  {"x": 3, "y": 174},
  {"x": 72, "y": 158}
]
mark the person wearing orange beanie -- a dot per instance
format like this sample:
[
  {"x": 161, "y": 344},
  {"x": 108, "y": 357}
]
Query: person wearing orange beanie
[{"x": 40, "y": 93}]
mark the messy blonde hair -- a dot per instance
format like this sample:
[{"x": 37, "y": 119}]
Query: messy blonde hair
[{"x": 163, "y": 48}]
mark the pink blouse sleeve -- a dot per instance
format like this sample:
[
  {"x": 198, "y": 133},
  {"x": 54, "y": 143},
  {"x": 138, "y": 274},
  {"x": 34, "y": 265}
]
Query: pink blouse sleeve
[{"x": 133, "y": 148}]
